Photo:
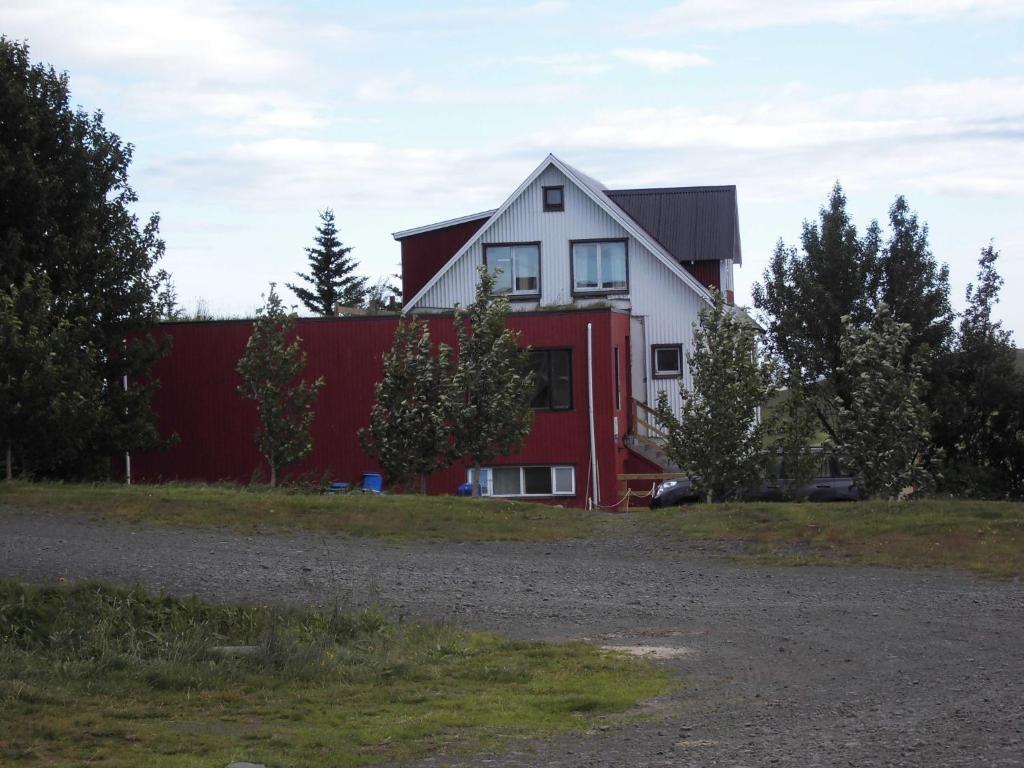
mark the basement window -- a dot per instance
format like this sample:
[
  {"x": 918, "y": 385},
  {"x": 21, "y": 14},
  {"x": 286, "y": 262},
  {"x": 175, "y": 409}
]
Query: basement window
[
  {"x": 516, "y": 268},
  {"x": 667, "y": 360},
  {"x": 554, "y": 199},
  {"x": 527, "y": 481}
]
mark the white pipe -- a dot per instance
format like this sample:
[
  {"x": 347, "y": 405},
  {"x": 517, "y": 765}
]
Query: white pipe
[
  {"x": 590, "y": 408},
  {"x": 127, "y": 456}
]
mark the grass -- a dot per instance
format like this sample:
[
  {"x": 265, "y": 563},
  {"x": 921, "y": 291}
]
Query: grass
[
  {"x": 986, "y": 537},
  {"x": 400, "y": 518},
  {"x": 96, "y": 674}
]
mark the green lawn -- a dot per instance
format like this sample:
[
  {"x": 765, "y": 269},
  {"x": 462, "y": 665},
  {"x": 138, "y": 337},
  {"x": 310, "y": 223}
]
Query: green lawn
[
  {"x": 986, "y": 537},
  {"x": 402, "y": 518},
  {"x": 91, "y": 674}
]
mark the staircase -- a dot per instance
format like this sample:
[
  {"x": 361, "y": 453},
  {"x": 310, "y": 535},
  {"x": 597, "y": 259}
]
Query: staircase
[{"x": 647, "y": 438}]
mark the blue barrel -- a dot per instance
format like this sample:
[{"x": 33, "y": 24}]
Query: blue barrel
[
  {"x": 373, "y": 482},
  {"x": 465, "y": 489}
]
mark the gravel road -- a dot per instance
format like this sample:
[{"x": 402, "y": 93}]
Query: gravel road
[{"x": 783, "y": 667}]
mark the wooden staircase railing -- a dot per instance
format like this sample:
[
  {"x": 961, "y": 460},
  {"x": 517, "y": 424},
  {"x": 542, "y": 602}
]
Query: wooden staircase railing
[{"x": 644, "y": 426}]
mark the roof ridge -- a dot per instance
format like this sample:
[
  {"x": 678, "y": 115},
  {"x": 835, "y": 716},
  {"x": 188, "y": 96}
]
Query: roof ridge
[{"x": 664, "y": 190}]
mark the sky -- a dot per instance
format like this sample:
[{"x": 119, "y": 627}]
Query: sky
[{"x": 250, "y": 117}]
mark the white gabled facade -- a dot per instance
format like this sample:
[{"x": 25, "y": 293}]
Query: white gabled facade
[{"x": 663, "y": 299}]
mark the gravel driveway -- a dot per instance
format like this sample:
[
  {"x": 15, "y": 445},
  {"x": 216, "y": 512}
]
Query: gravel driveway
[{"x": 784, "y": 667}]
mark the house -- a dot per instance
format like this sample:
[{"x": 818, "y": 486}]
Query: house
[{"x": 605, "y": 287}]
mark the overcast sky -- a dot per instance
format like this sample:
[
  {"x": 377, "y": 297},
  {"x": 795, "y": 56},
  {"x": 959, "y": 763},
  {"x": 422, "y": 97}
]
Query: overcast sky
[{"x": 249, "y": 117}]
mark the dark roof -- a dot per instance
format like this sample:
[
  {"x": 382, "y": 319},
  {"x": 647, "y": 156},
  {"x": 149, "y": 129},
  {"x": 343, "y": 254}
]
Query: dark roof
[{"x": 691, "y": 223}]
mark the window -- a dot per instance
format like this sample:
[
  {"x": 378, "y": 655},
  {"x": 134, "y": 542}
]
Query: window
[
  {"x": 527, "y": 481},
  {"x": 516, "y": 268},
  {"x": 599, "y": 266},
  {"x": 554, "y": 199},
  {"x": 667, "y": 360},
  {"x": 552, "y": 370}
]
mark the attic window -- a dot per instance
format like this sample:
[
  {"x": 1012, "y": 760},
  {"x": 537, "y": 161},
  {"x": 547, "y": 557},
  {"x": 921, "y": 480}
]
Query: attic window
[{"x": 554, "y": 199}]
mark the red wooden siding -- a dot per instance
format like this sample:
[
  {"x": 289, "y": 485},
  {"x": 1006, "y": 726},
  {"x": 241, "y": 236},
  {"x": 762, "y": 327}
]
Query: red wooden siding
[
  {"x": 707, "y": 272},
  {"x": 423, "y": 255},
  {"x": 198, "y": 401}
]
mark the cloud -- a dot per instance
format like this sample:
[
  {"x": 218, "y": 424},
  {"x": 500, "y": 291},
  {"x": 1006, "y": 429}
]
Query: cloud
[
  {"x": 755, "y": 14},
  {"x": 661, "y": 62},
  {"x": 566, "y": 63},
  {"x": 406, "y": 88}
]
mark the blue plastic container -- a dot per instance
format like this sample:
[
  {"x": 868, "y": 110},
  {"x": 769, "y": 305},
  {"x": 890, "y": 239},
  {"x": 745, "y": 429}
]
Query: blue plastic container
[
  {"x": 466, "y": 489},
  {"x": 373, "y": 482}
]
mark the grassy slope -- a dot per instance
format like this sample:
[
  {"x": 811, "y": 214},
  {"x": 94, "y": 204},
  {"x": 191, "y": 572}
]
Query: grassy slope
[
  {"x": 986, "y": 537},
  {"x": 403, "y": 518},
  {"x": 93, "y": 674}
]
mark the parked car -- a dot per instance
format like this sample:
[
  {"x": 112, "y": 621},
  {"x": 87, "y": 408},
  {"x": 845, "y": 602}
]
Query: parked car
[{"x": 834, "y": 482}]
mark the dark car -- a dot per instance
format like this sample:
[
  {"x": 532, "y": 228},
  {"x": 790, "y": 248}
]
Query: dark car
[{"x": 834, "y": 482}]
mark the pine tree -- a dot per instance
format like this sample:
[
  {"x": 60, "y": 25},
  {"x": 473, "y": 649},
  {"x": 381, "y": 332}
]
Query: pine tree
[
  {"x": 410, "y": 432},
  {"x": 331, "y": 277},
  {"x": 884, "y": 431},
  {"x": 269, "y": 370},
  {"x": 493, "y": 382},
  {"x": 718, "y": 440},
  {"x": 66, "y": 213}
]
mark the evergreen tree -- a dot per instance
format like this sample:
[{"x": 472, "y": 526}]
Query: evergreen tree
[
  {"x": 718, "y": 440},
  {"x": 884, "y": 431},
  {"x": 911, "y": 283},
  {"x": 493, "y": 382},
  {"x": 269, "y": 370},
  {"x": 50, "y": 392},
  {"x": 66, "y": 215},
  {"x": 806, "y": 294},
  {"x": 331, "y": 277},
  {"x": 410, "y": 432},
  {"x": 979, "y": 420}
]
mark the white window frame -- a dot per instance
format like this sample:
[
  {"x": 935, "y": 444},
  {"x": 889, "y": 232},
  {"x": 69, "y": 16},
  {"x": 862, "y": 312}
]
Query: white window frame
[
  {"x": 485, "y": 481},
  {"x": 599, "y": 289},
  {"x": 512, "y": 260},
  {"x": 657, "y": 372}
]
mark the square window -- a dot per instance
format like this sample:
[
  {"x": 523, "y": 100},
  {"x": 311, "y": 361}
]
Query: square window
[
  {"x": 554, "y": 199},
  {"x": 505, "y": 481},
  {"x": 667, "y": 360},
  {"x": 516, "y": 268},
  {"x": 564, "y": 480},
  {"x": 537, "y": 481}
]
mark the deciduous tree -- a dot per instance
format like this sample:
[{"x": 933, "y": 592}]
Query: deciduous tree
[
  {"x": 411, "y": 423},
  {"x": 271, "y": 371},
  {"x": 718, "y": 439}
]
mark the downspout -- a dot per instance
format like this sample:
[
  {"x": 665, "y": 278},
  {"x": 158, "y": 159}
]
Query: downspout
[
  {"x": 590, "y": 409},
  {"x": 127, "y": 455}
]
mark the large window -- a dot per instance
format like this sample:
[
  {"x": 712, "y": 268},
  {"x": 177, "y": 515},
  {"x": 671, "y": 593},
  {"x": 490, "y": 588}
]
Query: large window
[
  {"x": 527, "y": 481},
  {"x": 599, "y": 266},
  {"x": 552, "y": 373},
  {"x": 516, "y": 268}
]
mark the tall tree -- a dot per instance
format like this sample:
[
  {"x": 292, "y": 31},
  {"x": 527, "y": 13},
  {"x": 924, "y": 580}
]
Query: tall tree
[
  {"x": 884, "y": 431},
  {"x": 331, "y": 277},
  {"x": 805, "y": 295},
  {"x": 911, "y": 283},
  {"x": 271, "y": 369},
  {"x": 410, "y": 432},
  {"x": 979, "y": 420},
  {"x": 718, "y": 440},
  {"x": 794, "y": 427},
  {"x": 50, "y": 392},
  {"x": 493, "y": 381},
  {"x": 66, "y": 215}
]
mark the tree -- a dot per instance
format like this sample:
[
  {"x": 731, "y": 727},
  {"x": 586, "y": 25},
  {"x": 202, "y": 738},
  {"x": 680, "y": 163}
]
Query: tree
[
  {"x": 331, "y": 269},
  {"x": 411, "y": 423},
  {"x": 493, "y": 382},
  {"x": 884, "y": 431},
  {"x": 911, "y": 283},
  {"x": 793, "y": 428},
  {"x": 269, "y": 369},
  {"x": 50, "y": 393},
  {"x": 806, "y": 294},
  {"x": 383, "y": 296},
  {"x": 66, "y": 215},
  {"x": 979, "y": 422},
  {"x": 718, "y": 439}
]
